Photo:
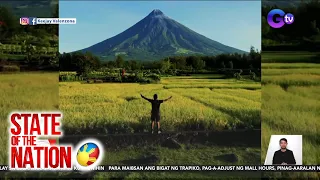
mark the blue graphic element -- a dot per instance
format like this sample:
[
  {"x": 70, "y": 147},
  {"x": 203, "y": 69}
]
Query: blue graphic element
[
  {"x": 90, "y": 146},
  {"x": 32, "y": 21}
]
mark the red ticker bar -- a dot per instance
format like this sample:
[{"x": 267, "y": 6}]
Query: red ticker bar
[{"x": 270, "y": 168}]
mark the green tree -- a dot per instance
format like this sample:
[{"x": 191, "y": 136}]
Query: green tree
[
  {"x": 9, "y": 25},
  {"x": 265, "y": 27},
  {"x": 198, "y": 63},
  {"x": 165, "y": 66},
  {"x": 119, "y": 61},
  {"x": 85, "y": 63},
  {"x": 134, "y": 65},
  {"x": 222, "y": 65},
  {"x": 31, "y": 53},
  {"x": 230, "y": 65},
  {"x": 181, "y": 62},
  {"x": 313, "y": 27},
  {"x": 23, "y": 47},
  {"x": 9, "y": 48},
  {"x": 55, "y": 12}
]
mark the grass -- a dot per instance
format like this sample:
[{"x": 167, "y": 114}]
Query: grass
[
  {"x": 15, "y": 57},
  {"x": 118, "y": 107},
  {"x": 245, "y": 116},
  {"x": 303, "y": 71},
  {"x": 121, "y": 104},
  {"x": 216, "y": 86},
  {"x": 266, "y": 66},
  {"x": 292, "y": 80},
  {"x": 298, "y": 115},
  {"x": 200, "y": 156},
  {"x": 290, "y": 103},
  {"x": 208, "y": 82},
  {"x": 18, "y": 57},
  {"x": 289, "y": 57},
  {"x": 25, "y": 91},
  {"x": 18, "y": 48}
]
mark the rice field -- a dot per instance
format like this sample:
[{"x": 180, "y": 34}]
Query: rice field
[
  {"x": 103, "y": 104},
  {"x": 284, "y": 66},
  {"x": 200, "y": 156},
  {"x": 289, "y": 57},
  {"x": 25, "y": 91},
  {"x": 197, "y": 104},
  {"x": 290, "y": 104}
]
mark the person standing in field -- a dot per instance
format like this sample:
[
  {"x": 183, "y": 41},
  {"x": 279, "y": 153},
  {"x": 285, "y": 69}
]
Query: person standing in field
[{"x": 155, "y": 112}]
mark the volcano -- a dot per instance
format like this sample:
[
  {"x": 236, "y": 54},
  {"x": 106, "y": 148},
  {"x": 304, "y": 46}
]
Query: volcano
[{"x": 155, "y": 37}]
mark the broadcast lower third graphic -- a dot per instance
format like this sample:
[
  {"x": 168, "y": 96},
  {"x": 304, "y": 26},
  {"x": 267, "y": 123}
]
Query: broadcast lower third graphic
[
  {"x": 27, "y": 130},
  {"x": 35, "y": 21},
  {"x": 237, "y": 168}
]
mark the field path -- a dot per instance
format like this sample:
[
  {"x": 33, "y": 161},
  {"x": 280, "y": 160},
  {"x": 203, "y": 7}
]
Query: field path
[{"x": 250, "y": 138}]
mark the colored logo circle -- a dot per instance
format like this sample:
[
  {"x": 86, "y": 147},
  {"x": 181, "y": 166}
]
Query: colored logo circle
[
  {"x": 88, "y": 154},
  {"x": 289, "y": 18},
  {"x": 277, "y": 18}
]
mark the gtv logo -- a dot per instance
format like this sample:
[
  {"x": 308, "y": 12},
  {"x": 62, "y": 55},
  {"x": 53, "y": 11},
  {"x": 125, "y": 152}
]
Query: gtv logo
[{"x": 281, "y": 20}]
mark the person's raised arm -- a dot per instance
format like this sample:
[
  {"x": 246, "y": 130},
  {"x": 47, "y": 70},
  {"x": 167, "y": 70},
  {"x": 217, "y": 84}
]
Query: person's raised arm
[
  {"x": 145, "y": 98},
  {"x": 167, "y": 99}
]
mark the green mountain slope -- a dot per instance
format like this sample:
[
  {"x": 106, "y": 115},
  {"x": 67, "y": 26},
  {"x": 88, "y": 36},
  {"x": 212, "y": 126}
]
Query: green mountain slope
[{"x": 157, "y": 36}]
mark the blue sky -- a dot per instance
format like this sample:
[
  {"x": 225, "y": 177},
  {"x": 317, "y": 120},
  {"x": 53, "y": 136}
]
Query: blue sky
[{"x": 233, "y": 23}]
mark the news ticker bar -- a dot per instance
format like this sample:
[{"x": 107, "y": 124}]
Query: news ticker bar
[{"x": 251, "y": 168}]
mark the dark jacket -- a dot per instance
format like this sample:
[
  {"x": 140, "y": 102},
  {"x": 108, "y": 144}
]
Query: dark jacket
[{"x": 280, "y": 157}]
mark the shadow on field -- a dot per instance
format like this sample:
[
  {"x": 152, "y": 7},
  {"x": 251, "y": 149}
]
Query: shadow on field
[
  {"x": 245, "y": 138},
  {"x": 232, "y": 158},
  {"x": 312, "y": 59},
  {"x": 284, "y": 86},
  {"x": 144, "y": 126},
  {"x": 130, "y": 98},
  {"x": 204, "y": 77},
  {"x": 145, "y": 160},
  {"x": 246, "y": 88},
  {"x": 316, "y": 59}
]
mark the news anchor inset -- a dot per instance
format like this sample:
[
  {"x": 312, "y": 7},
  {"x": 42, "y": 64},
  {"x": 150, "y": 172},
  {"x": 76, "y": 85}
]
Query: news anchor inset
[
  {"x": 283, "y": 156},
  {"x": 284, "y": 150}
]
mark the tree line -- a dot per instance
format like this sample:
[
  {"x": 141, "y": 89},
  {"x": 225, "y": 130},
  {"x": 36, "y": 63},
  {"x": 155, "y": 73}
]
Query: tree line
[
  {"x": 32, "y": 47},
  {"x": 10, "y": 27},
  {"x": 85, "y": 62},
  {"x": 302, "y": 35}
]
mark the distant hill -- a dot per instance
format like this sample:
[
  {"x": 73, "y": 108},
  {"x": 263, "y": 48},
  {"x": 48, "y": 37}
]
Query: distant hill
[
  {"x": 280, "y": 3},
  {"x": 158, "y": 36},
  {"x": 33, "y": 8}
]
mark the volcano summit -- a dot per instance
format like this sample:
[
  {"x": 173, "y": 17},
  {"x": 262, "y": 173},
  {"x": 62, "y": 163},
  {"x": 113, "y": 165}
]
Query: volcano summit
[{"x": 157, "y": 36}]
